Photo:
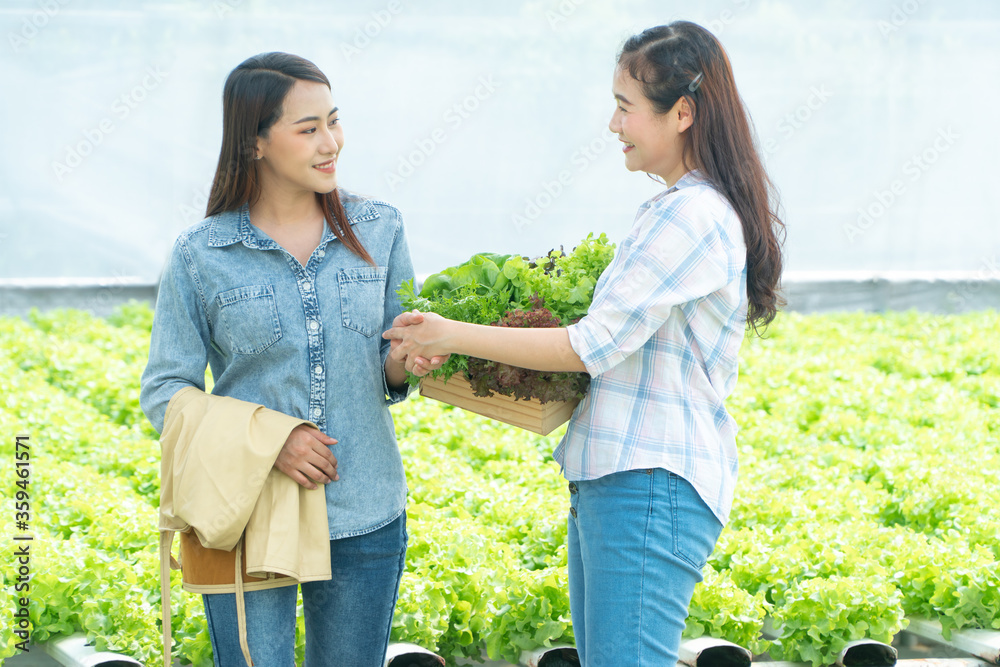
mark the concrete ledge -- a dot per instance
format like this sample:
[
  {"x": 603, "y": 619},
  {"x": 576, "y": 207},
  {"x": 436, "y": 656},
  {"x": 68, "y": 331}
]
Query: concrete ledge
[
  {"x": 806, "y": 292},
  {"x": 933, "y": 292},
  {"x": 96, "y": 295}
]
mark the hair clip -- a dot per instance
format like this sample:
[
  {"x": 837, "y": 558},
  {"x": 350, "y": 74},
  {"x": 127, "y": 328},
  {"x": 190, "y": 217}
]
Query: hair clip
[{"x": 693, "y": 86}]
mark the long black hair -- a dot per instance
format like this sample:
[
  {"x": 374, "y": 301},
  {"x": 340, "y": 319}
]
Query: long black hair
[{"x": 683, "y": 59}]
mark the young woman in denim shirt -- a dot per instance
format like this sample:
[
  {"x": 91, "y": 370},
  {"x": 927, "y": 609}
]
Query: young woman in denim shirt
[
  {"x": 650, "y": 453},
  {"x": 282, "y": 290}
]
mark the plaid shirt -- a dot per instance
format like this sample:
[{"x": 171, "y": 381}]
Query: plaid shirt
[{"x": 661, "y": 343}]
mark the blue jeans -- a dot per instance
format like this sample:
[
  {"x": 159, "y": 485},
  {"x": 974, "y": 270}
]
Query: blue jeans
[
  {"x": 637, "y": 543},
  {"x": 348, "y": 618}
]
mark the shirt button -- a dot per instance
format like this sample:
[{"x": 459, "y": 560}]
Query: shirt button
[
  {"x": 313, "y": 325},
  {"x": 321, "y": 253},
  {"x": 307, "y": 286},
  {"x": 316, "y": 412},
  {"x": 318, "y": 370}
]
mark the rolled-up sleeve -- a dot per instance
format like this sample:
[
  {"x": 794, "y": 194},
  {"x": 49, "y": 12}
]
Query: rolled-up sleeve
[
  {"x": 178, "y": 349},
  {"x": 400, "y": 269},
  {"x": 675, "y": 254}
]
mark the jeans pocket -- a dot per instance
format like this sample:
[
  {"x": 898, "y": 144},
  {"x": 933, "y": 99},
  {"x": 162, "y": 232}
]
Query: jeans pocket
[
  {"x": 249, "y": 318},
  {"x": 695, "y": 526},
  {"x": 362, "y": 297}
]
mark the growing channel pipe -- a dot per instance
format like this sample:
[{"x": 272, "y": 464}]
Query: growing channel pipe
[
  {"x": 411, "y": 655},
  {"x": 859, "y": 653},
  {"x": 699, "y": 652},
  {"x": 922, "y": 662},
  {"x": 74, "y": 651},
  {"x": 711, "y": 652},
  {"x": 556, "y": 655},
  {"x": 983, "y": 644},
  {"x": 867, "y": 653}
]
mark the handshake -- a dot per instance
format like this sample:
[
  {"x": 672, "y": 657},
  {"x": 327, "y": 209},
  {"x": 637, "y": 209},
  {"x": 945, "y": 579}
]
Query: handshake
[{"x": 419, "y": 341}]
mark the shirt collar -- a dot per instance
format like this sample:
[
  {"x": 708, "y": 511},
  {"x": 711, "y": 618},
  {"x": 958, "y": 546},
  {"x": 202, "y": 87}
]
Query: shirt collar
[
  {"x": 693, "y": 177},
  {"x": 231, "y": 227}
]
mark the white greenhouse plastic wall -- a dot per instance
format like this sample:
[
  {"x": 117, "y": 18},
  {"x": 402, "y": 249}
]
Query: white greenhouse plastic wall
[{"x": 486, "y": 123}]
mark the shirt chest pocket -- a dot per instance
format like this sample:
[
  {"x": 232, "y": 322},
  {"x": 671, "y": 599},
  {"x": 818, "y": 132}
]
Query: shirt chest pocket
[
  {"x": 249, "y": 318},
  {"x": 362, "y": 296}
]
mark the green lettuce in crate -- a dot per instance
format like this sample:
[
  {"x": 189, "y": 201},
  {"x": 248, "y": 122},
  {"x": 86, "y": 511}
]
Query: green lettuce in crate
[{"x": 511, "y": 291}]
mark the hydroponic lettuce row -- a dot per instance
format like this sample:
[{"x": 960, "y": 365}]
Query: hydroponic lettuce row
[
  {"x": 856, "y": 507},
  {"x": 511, "y": 291}
]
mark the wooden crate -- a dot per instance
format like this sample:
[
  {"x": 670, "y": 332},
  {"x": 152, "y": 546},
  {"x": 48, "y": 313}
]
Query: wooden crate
[{"x": 527, "y": 414}]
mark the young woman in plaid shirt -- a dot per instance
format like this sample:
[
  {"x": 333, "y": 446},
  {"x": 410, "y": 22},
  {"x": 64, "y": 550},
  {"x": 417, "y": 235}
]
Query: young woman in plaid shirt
[{"x": 650, "y": 453}]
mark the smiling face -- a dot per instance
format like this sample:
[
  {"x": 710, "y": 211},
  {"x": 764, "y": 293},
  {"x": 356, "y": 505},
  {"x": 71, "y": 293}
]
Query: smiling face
[
  {"x": 653, "y": 142},
  {"x": 300, "y": 151}
]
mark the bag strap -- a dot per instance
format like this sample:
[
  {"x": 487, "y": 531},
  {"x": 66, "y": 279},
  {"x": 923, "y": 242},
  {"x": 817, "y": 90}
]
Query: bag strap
[
  {"x": 241, "y": 613},
  {"x": 166, "y": 560}
]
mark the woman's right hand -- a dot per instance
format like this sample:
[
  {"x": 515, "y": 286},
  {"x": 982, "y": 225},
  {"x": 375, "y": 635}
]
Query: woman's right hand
[{"x": 305, "y": 457}]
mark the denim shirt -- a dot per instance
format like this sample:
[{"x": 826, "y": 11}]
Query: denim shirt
[{"x": 305, "y": 341}]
